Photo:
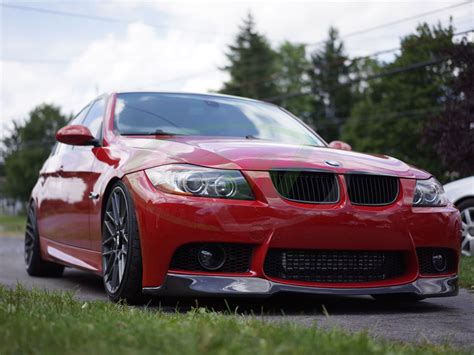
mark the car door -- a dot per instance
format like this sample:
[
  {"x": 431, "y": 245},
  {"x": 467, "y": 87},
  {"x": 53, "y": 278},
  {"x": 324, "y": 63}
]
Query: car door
[
  {"x": 78, "y": 180},
  {"x": 53, "y": 197}
]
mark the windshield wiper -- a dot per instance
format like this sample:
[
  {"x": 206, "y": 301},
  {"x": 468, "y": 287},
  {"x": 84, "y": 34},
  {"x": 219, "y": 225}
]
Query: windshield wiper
[{"x": 158, "y": 132}]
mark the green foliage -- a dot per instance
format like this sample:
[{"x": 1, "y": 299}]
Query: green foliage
[
  {"x": 292, "y": 78},
  {"x": 332, "y": 95},
  {"x": 12, "y": 225},
  {"x": 391, "y": 116},
  {"x": 466, "y": 272},
  {"x": 27, "y": 147},
  {"x": 451, "y": 132},
  {"x": 252, "y": 64},
  {"x": 37, "y": 322}
]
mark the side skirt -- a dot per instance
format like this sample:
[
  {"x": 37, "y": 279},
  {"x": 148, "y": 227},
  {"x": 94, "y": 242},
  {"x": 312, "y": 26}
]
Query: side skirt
[{"x": 84, "y": 259}]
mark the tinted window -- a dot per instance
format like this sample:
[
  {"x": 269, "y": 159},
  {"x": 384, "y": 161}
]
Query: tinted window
[
  {"x": 207, "y": 115},
  {"x": 93, "y": 120}
]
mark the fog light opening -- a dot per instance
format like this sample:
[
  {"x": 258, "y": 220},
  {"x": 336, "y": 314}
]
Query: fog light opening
[
  {"x": 439, "y": 262},
  {"x": 211, "y": 257}
]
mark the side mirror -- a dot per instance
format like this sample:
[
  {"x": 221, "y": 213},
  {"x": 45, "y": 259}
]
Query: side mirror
[
  {"x": 340, "y": 145},
  {"x": 76, "y": 135}
]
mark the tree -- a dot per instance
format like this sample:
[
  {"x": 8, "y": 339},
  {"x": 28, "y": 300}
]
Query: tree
[
  {"x": 451, "y": 132},
  {"x": 332, "y": 96},
  {"x": 252, "y": 64},
  {"x": 27, "y": 147},
  {"x": 399, "y": 99},
  {"x": 292, "y": 79}
]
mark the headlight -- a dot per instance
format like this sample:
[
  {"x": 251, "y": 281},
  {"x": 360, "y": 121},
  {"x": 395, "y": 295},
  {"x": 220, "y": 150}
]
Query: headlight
[
  {"x": 198, "y": 181},
  {"x": 429, "y": 193}
]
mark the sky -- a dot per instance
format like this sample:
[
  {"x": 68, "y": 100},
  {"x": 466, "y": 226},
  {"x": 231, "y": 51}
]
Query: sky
[{"x": 171, "y": 46}]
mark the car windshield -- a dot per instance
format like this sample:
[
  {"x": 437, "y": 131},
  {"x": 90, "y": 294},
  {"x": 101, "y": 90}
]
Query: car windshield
[{"x": 207, "y": 115}]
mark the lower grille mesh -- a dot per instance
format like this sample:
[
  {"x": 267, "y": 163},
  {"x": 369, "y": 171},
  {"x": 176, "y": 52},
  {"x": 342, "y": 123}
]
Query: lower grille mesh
[{"x": 328, "y": 266}]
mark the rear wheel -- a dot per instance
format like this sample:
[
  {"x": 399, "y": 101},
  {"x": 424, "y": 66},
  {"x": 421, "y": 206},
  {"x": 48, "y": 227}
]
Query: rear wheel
[
  {"x": 35, "y": 266},
  {"x": 121, "y": 254},
  {"x": 398, "y": 297}
]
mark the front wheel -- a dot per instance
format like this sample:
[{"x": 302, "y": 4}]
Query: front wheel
[{"x": 121, "y": 254}]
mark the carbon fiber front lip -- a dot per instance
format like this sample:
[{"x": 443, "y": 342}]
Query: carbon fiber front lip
[{"x": 196, "y": 285}]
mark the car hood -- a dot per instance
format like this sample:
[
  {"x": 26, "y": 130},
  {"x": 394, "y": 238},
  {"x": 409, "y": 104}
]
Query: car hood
[{"x": 246, "y": 154}]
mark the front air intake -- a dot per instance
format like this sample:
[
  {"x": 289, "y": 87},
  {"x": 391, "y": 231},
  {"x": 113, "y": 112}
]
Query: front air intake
[
  {"x": 232, "y": 257},
  {"x": 334, "y": 266}
]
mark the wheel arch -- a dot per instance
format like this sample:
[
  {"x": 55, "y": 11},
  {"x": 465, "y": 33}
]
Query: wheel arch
[
  {"x": 105, "y": 196},
  {"x": 461, "y": 200}
]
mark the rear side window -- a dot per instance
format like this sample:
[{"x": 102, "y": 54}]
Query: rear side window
[{"x": 93, "y": 119}]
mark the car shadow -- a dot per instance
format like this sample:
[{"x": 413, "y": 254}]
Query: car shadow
[{"x": 292, "y": 304}]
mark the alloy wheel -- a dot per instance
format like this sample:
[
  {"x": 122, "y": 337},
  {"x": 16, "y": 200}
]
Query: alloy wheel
[
  {"x": 115, "y": 239},
  {"x": 467, "y": 241}
]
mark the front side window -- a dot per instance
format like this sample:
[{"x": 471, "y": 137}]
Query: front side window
[
  {"x": 94, "y": 117},
  {"x": 206, "y": 115},
  {"x": 61, "y": 147}
]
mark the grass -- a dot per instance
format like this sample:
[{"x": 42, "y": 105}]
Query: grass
[
  {"x": 55, "y": 323},
  {"x": 466, "y": 274},
  {"x": 12, "y": 225}
]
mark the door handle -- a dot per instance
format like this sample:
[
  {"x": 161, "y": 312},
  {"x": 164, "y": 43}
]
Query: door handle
[{"x": 93, "y": 195}]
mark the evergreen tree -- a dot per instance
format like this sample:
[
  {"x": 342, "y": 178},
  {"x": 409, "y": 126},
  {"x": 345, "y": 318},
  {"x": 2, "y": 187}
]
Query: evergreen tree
[
  {"x": 252, "y": 64},
  {"x": 332, "y": 96},
  {"x": 391, "y": 116},
  {"x": 292, "y": 80}
]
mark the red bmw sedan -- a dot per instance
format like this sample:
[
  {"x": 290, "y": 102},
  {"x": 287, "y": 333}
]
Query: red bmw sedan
[{"x": 189, "y": 194}]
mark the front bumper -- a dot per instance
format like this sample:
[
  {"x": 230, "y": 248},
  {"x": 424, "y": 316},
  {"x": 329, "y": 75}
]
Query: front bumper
[
  {"x": 195, "y": 285},
  {"x": 167, "y": 222}
]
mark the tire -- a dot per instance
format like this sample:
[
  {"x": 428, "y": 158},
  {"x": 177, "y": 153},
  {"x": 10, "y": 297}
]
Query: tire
[
  {"x": 121, "y": 253},
  {"x": 466, "y": 208},
  {"x": 35, "y": 266},
  {"x": 398, "y": 297}
]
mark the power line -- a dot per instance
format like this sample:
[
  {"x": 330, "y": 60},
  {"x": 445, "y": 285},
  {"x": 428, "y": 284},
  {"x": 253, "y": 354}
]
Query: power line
[
  {"x": 385, "y": 115},
  {"x": 125, "y": 21},
  {"x": 382, "y": 74},
  {"x": 273, "y": 76},
  {"x": 102, "y": 18},
  {"x": 388, "y": 24},
  {"x": 346, "y": 62},
  {"x": 359, "y": 32}
]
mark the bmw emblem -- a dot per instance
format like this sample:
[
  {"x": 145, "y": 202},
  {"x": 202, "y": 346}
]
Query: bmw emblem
[{"x": 333, "y": 163}]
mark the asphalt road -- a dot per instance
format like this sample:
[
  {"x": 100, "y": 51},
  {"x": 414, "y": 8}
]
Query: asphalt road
[{"x": 437, "y": 320}]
